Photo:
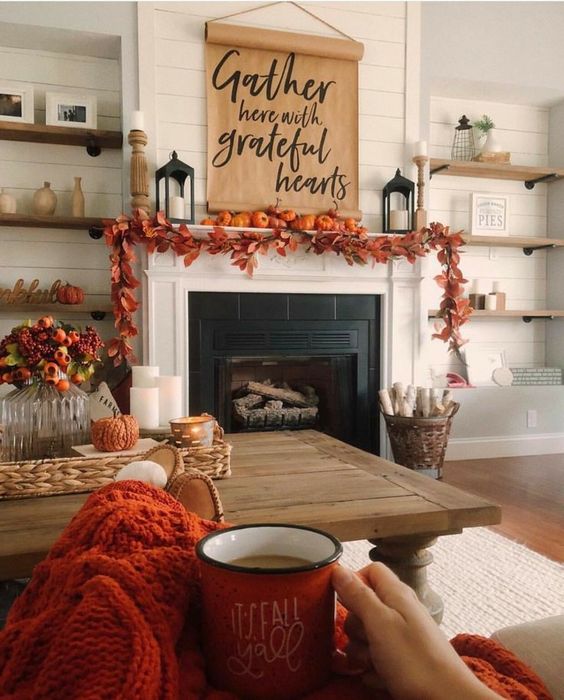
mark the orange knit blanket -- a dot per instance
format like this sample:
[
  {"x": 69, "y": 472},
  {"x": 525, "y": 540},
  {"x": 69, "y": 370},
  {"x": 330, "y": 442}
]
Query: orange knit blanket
[{"x": 112, "y": 612}]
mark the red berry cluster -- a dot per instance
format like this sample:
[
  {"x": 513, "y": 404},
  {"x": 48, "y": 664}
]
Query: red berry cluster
[{"x": 49, "y": 349}]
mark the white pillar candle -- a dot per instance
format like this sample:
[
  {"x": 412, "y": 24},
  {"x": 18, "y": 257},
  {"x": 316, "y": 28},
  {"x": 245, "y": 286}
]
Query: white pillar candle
[
  {"x": 144, "y": 375},
  {"x": 170, "y": 398},
  {"x": 144, "y": 405},
  {"x": 420, "y": 148},
  {"x": 176, "y": 208},
  {"x": 137, "y": 120},
  {"x": 398, "y": 220}
]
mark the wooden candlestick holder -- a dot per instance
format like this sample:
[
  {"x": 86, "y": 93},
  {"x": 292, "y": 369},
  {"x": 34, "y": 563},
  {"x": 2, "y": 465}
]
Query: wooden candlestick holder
[
  {"x": 420, "y": 212},
  {"x": 139, "y": 171}
]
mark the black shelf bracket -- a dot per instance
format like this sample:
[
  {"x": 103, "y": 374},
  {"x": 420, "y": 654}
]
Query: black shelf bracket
[
  {"x": 95, "y": 232},
  {"x": 438, "y": 170},
  {"x": 529, "y": 250},
  {"x": 93, "y": 148},
  {"x": 528, "y": 319},
  {"x": 530, "y": 184},
  {"x": 98, "y": 315}
]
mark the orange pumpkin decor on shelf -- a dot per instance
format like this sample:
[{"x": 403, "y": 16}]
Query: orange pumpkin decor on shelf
[
  {"x": 207, "y": 222},
  {"x": 288, "y": 215},
  {"x": 307, "y": 222},
  {"x": 69, "y": 294},
  {"x": 115, "y": 434},
  {"x": 224, "y": 218},
  {"x": 324, "y": 223},
  {"x": 259, "y": 219}
]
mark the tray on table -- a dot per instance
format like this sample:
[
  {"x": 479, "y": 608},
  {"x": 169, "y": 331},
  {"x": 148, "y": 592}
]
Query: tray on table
[{"x": 61, "y": 475}]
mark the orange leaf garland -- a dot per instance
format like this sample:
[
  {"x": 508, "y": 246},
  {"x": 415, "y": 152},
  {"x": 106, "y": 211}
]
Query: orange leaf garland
[{"x": 157, "y": 234}]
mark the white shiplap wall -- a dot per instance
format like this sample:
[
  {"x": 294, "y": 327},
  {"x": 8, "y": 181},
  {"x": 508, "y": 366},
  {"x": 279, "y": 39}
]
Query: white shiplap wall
[
  {"x": 178, "y": 101},
  {"x": 523, "y": 131},
  {"x": 50, "y": 254}
]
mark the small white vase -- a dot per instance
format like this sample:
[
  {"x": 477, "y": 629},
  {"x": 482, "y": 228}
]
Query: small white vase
[
  {"x": 7, "y": 203},
  {"x": 491, "y": 144}
]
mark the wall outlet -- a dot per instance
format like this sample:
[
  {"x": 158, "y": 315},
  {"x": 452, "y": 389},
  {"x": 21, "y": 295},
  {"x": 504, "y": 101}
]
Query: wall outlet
[{"x": 531, "y": 419}]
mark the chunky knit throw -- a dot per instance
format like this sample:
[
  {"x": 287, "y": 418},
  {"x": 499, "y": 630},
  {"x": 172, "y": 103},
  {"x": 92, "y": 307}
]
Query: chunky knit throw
[{"x": 112, "y": 612}]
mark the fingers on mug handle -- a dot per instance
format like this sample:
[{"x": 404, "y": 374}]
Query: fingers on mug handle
[
  {"x": 354, "y": 628},
  {"x": 354, "y": 593},
  {"x": 388, "y": 587},
  {"x": 344, "y": 666}
]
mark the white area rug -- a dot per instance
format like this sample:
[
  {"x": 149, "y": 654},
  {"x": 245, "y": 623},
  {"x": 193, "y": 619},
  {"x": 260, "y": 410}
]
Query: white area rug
[{"x": 486, "y": 581}]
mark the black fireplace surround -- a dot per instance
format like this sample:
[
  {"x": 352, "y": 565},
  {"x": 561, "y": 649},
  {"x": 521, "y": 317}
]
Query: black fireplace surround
[{"x": 336, "y": 336}]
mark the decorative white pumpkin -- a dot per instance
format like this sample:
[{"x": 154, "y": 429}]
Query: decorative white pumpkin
[{"x": 143, "y": 470}]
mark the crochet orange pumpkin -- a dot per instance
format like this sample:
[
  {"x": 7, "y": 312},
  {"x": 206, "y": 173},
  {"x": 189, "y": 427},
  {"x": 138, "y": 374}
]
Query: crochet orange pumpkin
[{"x": 115, "y": 434}]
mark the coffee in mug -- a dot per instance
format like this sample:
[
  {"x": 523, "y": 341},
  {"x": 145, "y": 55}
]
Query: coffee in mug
[{"x": 268, "y": 609}]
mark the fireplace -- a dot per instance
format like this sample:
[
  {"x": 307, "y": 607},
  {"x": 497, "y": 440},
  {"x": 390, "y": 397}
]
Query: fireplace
[{"x": 313, "y": 359}]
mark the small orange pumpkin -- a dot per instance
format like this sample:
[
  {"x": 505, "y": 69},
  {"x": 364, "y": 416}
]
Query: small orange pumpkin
[
  {"x": 115, "y": 434},
  {"x": 307, "y": 222},
  {"x": 324, "y": 223},
  {"x": 69, "y": 294}
]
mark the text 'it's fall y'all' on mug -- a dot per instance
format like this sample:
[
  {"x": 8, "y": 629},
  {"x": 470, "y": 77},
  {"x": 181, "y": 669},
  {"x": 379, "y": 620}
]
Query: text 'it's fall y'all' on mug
[{"x": 268, "y": 609}]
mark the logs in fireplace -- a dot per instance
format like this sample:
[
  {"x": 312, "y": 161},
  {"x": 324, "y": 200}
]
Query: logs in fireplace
[{"x": 269, "y": 406}]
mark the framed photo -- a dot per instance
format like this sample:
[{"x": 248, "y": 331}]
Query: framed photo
[
  {"x": 66, "y": 109},
  {"x": 490, "y": 214},
  {"x": 481, "y": 363},
  {"x": 16, "y": 103}
]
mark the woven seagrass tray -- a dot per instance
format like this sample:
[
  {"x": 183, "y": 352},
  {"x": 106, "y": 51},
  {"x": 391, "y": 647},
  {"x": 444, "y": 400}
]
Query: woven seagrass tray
[{"x": 50, "y": 477}]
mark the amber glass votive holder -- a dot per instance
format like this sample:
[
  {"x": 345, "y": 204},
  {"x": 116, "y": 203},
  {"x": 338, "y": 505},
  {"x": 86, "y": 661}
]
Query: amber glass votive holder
[{"x": 192, "y": 431}]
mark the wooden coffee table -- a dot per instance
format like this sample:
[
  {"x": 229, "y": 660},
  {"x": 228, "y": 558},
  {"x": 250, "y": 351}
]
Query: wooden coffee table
[{"x": 304, "y": 478}]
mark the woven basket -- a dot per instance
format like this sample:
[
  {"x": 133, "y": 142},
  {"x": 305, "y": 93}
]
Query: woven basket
[
  {"x": 420, "y": 443},
  {"x": 50, "y": 477}
]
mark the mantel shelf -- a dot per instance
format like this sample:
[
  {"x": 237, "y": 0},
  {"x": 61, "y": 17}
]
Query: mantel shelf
[
  {"x": 92, "y": 139},
  {"x": 508, "y": 313},
  {"x": 499, "y": 171},
  {"x": 66, "y": 222}
]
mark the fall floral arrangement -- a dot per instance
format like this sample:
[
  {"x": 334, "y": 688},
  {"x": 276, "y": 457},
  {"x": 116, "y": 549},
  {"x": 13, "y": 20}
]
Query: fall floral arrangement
[
  {"x": 286, "y": 231},
  {"x": 50, "y": 351}
]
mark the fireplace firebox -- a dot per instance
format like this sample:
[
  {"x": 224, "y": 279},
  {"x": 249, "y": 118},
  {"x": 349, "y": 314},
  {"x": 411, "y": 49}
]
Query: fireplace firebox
[{"x": 287, "y": 362}]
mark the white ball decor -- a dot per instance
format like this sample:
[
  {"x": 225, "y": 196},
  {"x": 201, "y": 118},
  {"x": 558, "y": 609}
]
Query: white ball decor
[{"x": 143, "y": 470}]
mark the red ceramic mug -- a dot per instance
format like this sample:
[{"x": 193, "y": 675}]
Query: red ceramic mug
[{"x": 268, "y": 609}]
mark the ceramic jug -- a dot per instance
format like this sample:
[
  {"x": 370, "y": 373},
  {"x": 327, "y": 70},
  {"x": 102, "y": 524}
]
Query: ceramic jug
[
  {"x": 44, "y": 201},
  {"x": 7, "y": 203},
  {"x": 77, "y": 198}
]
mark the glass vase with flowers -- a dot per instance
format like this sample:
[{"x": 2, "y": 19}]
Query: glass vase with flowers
[{"x": 47, "y": 412}]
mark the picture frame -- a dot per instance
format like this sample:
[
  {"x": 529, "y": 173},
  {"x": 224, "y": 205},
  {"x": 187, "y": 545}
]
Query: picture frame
[
  {"x": 16, "y": 102},
  {"x": 481, "y": 363},
  {"x": 70, "y": 110},
  {"x": 490, "y": 214}
]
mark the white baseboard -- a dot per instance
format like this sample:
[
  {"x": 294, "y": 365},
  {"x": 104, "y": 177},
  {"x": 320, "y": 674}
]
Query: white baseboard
[{"x": 505, "y": 446}]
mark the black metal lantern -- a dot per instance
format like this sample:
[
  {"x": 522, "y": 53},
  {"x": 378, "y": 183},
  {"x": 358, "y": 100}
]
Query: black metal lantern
[
  {"x": 178, "y": 171},
  {"x": 463, "y": 147},
  {"x": 398, "y": 193}
]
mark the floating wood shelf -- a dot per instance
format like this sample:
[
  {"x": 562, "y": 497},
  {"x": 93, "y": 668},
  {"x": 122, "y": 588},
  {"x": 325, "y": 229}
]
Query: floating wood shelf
[
  {"x": 94, "y": 310},
  {"x": 94, "y": 225},
  {"x": 527, "y": 243},
  {"x": 92, "y": 139},
  {"x": 527, "y": 315},
  {"x": 499, "y": 171}
]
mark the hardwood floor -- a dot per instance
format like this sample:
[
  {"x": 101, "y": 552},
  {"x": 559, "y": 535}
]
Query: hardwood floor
[{"x": 530, "y": 491}]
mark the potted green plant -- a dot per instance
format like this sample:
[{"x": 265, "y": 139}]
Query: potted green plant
[{"x": 485, "y": 127}]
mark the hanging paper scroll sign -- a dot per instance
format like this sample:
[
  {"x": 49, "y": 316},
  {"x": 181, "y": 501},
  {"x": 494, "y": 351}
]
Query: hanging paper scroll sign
[{"x": 282, "y": 119}]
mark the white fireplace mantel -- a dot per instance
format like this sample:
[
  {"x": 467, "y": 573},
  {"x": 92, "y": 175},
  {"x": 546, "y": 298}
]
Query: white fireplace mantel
[{"x": 167, "y": 284}]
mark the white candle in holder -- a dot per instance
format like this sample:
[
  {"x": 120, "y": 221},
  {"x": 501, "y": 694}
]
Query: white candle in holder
[
  {"x": 398, "y": 220},
  {"x": 137, "y": 120},
  {"x": 144, "y": 405},
  {"x": 170, "y": 398},
  {"x": 144, "y": 375},
  {"x": 420, "y": 148},
  {"x": 176, "y": 208}
]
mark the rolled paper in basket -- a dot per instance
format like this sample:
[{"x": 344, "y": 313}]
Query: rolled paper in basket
[{"x": 385, "y": 402}]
